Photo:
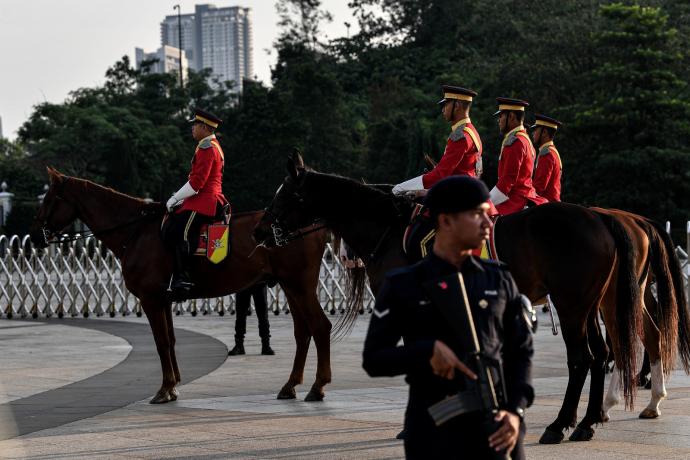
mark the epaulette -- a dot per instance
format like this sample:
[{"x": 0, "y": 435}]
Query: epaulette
[
  {"x": 205, "y": 143},
  {"x": 545, "y": 150},
  {"x": 458, "y": 134},
  {"x": 510, "y": 139}
]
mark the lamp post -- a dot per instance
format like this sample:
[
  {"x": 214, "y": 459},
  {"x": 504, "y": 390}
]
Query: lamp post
[{"x": 179, "y": 41}]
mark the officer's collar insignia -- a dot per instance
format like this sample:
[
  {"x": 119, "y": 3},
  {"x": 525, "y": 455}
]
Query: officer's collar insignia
[
  {"x": 483, "y": 303},
  {"x": 381, "y": 314}
]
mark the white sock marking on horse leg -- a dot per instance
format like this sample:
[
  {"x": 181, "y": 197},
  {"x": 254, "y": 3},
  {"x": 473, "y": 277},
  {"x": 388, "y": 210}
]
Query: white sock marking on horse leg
[
  {"x": 613, "y": 395},
  {"x": 658, "y": 387}
]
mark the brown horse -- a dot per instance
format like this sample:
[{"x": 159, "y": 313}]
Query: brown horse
[
  {"x": 567, "y": 251},
  {"x": 665, "y": 327},
  {"x": 130, "y": 228}
]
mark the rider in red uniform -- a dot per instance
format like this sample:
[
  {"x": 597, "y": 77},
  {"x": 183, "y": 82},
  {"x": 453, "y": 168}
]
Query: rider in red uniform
[
  {"x": 463, "y": 152},
  {"x": 200, "y": 198},
  {"x": 514, "y": 189},
  {"x": 547, "y": 174}
]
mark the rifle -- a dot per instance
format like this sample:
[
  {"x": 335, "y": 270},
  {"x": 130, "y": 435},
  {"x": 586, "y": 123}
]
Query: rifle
[{"x": 481, "y": 395}]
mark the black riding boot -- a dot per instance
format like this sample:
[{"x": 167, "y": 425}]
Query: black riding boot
[
  {"x": 181, "y": 283},
  {"x": 266, "y": 346},
  {"x": 238, "y": 349}
]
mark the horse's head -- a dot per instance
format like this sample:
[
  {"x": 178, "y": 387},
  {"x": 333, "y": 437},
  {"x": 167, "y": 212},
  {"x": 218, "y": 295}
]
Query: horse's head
[
  {"x": 288, "y": 211},
  {"x": 55, "y": 213}
]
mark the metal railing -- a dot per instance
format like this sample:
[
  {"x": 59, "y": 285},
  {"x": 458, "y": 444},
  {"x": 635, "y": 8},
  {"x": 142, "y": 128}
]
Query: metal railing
[{"x": 84, "y": 278}]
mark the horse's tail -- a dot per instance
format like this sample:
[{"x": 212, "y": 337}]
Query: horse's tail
[
  {"x": 354, "y": 292},
  {"x": 674, "y": 318},
  {"x": 628, "y": 307},
  {"x": 356, "y": 287}
]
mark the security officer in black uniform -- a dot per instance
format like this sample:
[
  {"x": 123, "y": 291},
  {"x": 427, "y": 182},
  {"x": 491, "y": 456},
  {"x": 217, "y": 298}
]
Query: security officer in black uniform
[{"x": 502, "y": 317}]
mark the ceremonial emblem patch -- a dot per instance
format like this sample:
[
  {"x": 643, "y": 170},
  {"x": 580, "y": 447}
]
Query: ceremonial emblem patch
[{"x": 217, "y": 248}]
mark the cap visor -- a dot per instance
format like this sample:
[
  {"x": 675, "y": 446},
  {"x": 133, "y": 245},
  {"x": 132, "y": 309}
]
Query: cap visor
[
  {"x": 497, "y": 112},
  {"x": 442, "y": 101},
  {"x": 192, "y": 120}
]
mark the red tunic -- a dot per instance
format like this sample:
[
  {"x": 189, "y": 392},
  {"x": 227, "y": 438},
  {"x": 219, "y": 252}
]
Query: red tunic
[
  {"x": 547, "y": 174},
  {"x": 462, "y": 155},
  {"x": 515, "y": 168},
  {"x": 206, "y": 177}
]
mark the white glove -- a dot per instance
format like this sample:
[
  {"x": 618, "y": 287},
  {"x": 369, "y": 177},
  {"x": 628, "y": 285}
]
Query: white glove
[
  {"x": 185, "y": 192},
  {"x": 414, "y": 184},
  {"x": 496, "y": 196}
]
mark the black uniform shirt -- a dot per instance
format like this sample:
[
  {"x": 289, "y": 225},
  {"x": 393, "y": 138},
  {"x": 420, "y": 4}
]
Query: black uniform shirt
[{"x": 404, "y": 310}]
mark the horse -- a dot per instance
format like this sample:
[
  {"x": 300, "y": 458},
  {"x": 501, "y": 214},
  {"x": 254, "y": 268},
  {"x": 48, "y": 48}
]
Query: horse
[
  {"x": 130, "y": 228},
  {"x": 665, "y": 326},
  {"x": 570, "y": 252}
]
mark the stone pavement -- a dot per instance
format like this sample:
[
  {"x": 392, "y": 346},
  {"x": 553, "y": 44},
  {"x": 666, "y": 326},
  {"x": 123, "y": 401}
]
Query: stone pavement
[{"x": 230, "y": 411}]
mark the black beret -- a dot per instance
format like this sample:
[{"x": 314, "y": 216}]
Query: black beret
[{"x": 456, "y": 194}]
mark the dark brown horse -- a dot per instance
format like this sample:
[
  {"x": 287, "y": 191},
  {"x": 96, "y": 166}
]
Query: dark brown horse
[
  {"x": 131, "y": 229},
  {"x": 567, "y": 251}
]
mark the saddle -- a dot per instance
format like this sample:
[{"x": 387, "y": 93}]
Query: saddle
[
  {"x": 214, "y": 238},
  {"x": 418, "y": 239}
]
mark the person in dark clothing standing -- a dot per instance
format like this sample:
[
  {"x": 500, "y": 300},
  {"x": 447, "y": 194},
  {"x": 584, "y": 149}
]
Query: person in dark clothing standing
[
  {"x": 242, "y": 303},
  {"x": 434, "y": 365}
]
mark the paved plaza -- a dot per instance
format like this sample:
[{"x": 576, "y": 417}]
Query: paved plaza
[{"x": 79, "y": 389}]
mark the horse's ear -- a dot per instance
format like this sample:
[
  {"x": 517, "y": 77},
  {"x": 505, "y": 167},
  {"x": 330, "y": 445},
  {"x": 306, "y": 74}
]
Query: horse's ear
[
  {"x": 54, "y": 174},
  {"x": 297, "y": 158},
  {"x": 292, "y": 168}
]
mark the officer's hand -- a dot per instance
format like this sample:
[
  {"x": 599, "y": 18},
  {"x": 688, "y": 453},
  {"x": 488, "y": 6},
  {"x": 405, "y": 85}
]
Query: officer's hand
[
  {"x": 444, "y": 362},
  {"x": 506, "y": 436},
  {"x": 171, "y": 203},
  {"x": 397, "y": 189}
]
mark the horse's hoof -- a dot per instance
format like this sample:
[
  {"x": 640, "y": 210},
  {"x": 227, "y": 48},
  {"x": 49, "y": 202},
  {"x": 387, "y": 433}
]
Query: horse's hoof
[
  {"x": 605, "y": 417},
  {"x": 163, "y": 396},
  {"x": 287, "y": 393},
  {"x": 582, "y": 434},
  {"x": 551, "y": 437},
  {"x": 314, "y": 395},
  {"x": 174, "y": 393},
  {"x": 649, "y": 413}
]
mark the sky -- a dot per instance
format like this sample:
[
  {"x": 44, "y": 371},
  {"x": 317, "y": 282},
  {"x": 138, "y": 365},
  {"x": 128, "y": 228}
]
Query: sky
[{"x": 51, "y": 47}]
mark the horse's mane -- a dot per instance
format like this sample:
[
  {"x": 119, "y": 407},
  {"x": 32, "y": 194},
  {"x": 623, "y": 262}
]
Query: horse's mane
[
  {"x": 362, "y": 199},
  {"x": 119, "y": 198}
]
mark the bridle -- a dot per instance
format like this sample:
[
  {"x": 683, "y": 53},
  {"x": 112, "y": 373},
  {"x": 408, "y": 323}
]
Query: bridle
[
  {"x": 281, "y": 236},
  {"x": 50, "y": 237}
]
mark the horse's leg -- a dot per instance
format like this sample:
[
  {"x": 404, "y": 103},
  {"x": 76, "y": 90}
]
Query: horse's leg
[
  {"x": 155, "y": 312},
  {"x": 302, "y": 339},
  {"x": 171, "y": 335},
  {"x": 580, "y": 358},
  {"x": 652, "y": 343},
  {"x": 614, "y": 395},
  {"x": 320, "y": 328},
  {"x": 594, "y": 414}
]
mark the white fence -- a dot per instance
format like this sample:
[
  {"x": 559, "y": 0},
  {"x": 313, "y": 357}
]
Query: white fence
[{"x": 84, "y": 278}]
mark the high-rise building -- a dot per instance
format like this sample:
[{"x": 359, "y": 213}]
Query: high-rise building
[
  {"x": 215, "y": 38},
  {"x": 170, "y": 35},
  {"x": 168, "y": 60}
]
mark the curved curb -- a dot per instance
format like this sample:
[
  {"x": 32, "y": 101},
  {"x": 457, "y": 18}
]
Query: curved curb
[{"x": 135, "y": 378}]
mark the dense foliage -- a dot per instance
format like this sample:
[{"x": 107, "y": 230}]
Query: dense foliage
[{"x": 364, "y": 106}]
